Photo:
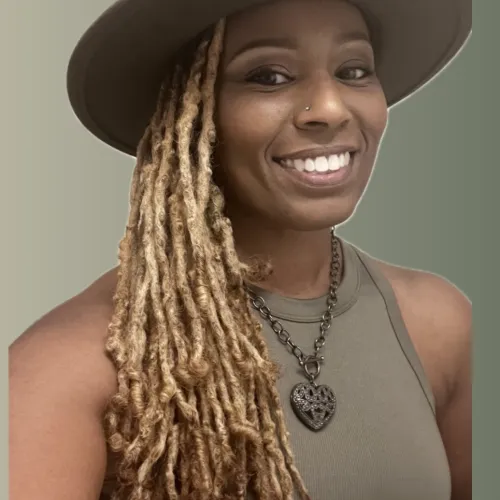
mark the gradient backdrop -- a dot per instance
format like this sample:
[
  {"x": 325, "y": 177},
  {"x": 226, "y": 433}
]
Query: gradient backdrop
[{"x": 432, "y": 203}]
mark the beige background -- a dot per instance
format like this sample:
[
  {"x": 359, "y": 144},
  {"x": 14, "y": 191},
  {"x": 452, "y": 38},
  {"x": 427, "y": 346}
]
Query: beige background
[{"x": 432, "y": 203}]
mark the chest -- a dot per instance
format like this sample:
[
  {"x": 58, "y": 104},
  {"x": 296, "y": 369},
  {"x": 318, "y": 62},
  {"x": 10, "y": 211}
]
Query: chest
[{"x": 383, "y": 441}]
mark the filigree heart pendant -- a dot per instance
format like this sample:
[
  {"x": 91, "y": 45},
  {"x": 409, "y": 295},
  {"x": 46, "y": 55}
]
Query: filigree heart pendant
[{"x": 313, "y": 404}]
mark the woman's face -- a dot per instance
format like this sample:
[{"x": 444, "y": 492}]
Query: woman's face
[{"x": 297, "y": 95}]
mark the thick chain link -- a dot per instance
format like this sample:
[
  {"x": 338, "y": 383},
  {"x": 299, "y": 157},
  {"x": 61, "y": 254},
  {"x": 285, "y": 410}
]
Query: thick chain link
[{"x": 326, "y": 320}]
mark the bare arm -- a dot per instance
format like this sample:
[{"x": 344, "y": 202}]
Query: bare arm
[
  {"x": 455, "y": 423},
  {"x": 455, "y": 415},
  {"x": 60, "y": 381}
]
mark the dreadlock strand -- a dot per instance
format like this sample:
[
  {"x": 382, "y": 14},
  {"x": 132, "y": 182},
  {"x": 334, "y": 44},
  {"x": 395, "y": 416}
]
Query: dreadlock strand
[
  {"x": 235, "y": 385},
  {"x": 169, "y": 297},
  {"x": 236, "y": 431},
  {"x": 184, "y": 128},
  {"x": 279, "y": 478},
  {"x": 172, "y": 459},
  {"x": 260, "y": 482},
  {"x": 203, "y": 477},
  {"x": 138, "y": 314},
  {"x": 167, "y": 292},
  {"x": 153, "y": 412},
  {"x": 207, "y": 135},
  {"x": 183, "y": 343},
  {"x": 285, "y": 442},
  {"x": 121, "y": 299},
  {"x": 214, "y": 463},
  {"x": 178, "y": 265},
  {"x": 185, "y": 464},
  {"x": 132, "y": 375},
  {"x": 190, "y": 372},
  {"x": 191, "y": 103},
  {"x": 138, "y": 386},
  {"x": 240, "y": 432},
  {"x": 225, "y": 452}
]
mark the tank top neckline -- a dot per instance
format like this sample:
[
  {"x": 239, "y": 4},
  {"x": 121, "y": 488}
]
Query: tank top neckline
[{"x": 311, "y": 310}]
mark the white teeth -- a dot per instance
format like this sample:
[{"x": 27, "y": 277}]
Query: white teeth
[
  {"x": 344, "y": 159},
  {"x": 334, "y": 162},
  {"x": 320, "y": 163},
  {"x": 300, "y": 165},
  {"x": 310, "y": 165}
]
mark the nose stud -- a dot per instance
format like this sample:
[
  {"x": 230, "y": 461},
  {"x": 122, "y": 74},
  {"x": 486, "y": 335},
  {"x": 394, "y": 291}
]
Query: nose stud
[{"x": 308, "y": 108}]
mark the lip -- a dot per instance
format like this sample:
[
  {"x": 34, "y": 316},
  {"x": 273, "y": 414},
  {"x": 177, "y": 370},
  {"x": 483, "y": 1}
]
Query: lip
[{"x": 317, "y": 152}]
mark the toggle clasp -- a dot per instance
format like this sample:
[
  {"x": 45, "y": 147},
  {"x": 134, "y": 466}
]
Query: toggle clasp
[{"x": 311, "y": 366}]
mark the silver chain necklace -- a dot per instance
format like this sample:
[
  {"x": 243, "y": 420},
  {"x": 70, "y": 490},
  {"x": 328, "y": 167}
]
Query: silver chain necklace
[{"x": 313, "y": 404}]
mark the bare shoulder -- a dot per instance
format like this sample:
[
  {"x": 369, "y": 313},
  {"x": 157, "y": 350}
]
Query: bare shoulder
[
  {"x": 438, "y": 317},
  {"x": 438, "y": 304},
  {"x": 60, "y": 382},
  {"x": 73, "y": 332},
  {"x": 437, "y": 301}
]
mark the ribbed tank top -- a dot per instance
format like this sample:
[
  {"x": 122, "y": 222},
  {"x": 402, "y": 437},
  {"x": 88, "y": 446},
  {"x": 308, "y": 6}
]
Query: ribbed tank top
[{"x": 383, "y": 442}]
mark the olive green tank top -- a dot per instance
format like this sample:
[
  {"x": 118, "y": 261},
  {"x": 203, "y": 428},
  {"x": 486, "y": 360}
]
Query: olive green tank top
[{"x": 383, "y": 442}]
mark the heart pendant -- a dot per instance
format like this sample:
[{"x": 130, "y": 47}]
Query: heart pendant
[{"x": 313, "y": 405}]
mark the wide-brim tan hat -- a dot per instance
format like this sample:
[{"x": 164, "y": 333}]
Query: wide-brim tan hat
[{"x": 116, "y": 70}]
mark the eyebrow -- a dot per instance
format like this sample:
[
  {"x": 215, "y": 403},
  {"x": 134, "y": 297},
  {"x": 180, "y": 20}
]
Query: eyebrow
[
  {"x": 354, "y": 36},
  {"x": 283, "y": 43},
  {"x": 291, "y": 44}
]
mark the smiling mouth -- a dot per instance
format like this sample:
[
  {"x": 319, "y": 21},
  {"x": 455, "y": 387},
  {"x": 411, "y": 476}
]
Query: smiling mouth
[{"x": 319, "y": 164}]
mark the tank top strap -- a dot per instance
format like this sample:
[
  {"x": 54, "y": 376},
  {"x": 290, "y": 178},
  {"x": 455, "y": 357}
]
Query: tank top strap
[{"x": 386, "y": 291}]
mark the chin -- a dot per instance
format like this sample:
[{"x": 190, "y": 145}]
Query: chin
[
  {"x": 319, "y": 223},
  {"x": 318, "y": 219}
]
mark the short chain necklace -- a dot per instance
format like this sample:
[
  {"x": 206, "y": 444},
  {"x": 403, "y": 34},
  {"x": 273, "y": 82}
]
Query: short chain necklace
[{"x": 313, "y": 404}]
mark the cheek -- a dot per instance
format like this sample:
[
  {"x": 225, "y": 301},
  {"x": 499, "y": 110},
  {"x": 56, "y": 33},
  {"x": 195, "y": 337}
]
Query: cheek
[
  {"x": 370, "y": 112},
  {"x": 246, "y": 126},
  {"x": 376, "y": 117},
  {"x": 379, "y": 124}
]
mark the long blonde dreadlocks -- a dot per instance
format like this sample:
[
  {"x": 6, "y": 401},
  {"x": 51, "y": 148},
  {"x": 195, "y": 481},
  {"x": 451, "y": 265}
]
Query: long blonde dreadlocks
[{"x": 197, "y": 413}]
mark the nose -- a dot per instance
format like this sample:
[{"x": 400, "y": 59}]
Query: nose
[{"x": 322, "y": 107}]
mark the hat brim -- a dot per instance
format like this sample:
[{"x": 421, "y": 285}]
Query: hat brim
[{"x": 115, "y": 71}]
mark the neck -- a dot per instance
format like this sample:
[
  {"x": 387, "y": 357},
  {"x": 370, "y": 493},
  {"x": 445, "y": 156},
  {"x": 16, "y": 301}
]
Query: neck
[{"x": 300, "y": 260}]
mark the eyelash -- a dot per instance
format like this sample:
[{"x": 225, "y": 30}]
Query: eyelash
[
  {"x": 265, "y": 71},
  {"x": 367, "y": 72},
  {"x": 253, "y": 77}
]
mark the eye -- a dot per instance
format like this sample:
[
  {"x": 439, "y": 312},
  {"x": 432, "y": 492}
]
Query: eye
[
  {"x": 268, "y": 77},
  {"x": 354, "y": 73}
]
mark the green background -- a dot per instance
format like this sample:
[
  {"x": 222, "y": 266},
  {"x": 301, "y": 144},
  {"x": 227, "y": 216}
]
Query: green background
[{"x": 432, "y": 203}]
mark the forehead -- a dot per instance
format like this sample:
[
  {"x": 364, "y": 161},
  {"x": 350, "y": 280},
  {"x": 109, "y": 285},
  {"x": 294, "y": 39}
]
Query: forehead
[{"x": 295, "y": 18}]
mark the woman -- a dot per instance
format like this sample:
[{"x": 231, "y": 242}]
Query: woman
[{"x": 240, "y": 349}]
